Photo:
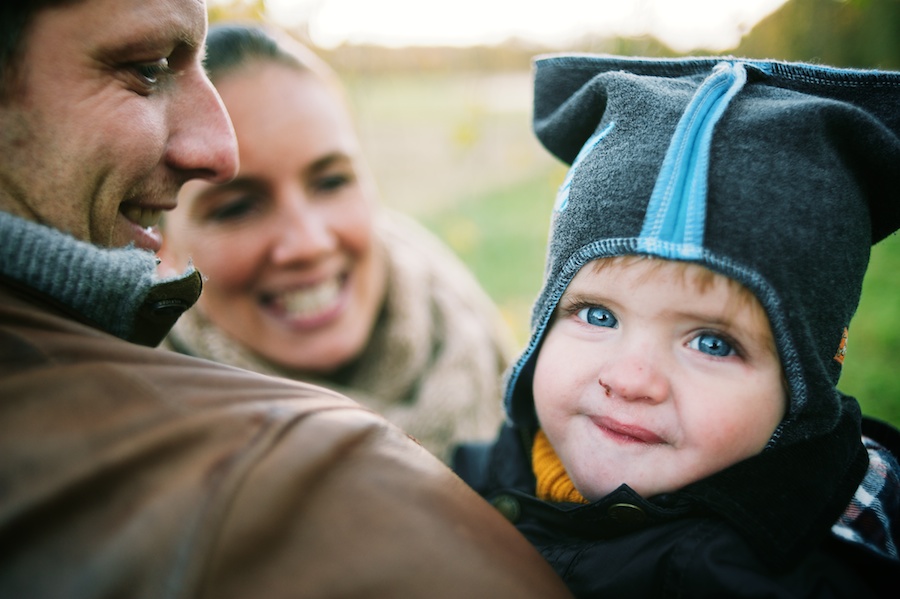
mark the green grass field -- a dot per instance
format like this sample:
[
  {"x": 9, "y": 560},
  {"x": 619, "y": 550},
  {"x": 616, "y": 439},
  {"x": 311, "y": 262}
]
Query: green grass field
[{"x": 502, "y": 236}]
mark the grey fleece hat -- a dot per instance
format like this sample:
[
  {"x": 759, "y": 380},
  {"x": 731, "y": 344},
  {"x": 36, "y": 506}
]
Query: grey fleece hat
[{"x": 780, "y": 176}]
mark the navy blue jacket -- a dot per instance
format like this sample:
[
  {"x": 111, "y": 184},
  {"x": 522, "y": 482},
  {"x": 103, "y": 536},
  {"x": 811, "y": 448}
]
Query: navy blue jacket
[{"x": 670, "y": 545}]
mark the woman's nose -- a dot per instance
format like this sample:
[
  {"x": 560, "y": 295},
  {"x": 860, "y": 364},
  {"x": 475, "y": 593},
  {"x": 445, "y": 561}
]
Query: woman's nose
[{"x": 304, "y": 232}]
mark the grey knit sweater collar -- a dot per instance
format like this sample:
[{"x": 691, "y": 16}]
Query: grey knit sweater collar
[{"x": 113, "y": 289}]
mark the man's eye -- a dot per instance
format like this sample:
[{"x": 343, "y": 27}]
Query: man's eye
[
  {"x": 153, "y": 73},
  {"x": 712, "y": 345},
  {"x": 599, "y": 317}
]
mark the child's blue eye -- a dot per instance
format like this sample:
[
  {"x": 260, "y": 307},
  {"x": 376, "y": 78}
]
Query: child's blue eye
[
  {"x": 599, "y": 317},
  {"x": 711, "y": 345}
]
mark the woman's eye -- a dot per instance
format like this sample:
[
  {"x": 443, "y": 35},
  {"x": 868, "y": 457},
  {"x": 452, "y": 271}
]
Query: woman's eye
[
  {"x": 599, "y": 317},
  {"x": 331, "y": 183},
  {"x": 232, "y": 211},
  {"x": 712, "y": 345}
]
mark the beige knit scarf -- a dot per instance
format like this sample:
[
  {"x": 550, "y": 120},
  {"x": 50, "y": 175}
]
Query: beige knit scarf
[{"x": 434, "y": 363}]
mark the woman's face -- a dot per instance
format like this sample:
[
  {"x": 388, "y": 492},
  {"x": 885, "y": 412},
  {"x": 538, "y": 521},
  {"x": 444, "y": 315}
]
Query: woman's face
[{"x": 286, "y": 248}]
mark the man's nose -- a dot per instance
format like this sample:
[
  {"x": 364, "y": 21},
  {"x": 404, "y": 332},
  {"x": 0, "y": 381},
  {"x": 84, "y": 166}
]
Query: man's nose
[{"x": 202, "y": 143}]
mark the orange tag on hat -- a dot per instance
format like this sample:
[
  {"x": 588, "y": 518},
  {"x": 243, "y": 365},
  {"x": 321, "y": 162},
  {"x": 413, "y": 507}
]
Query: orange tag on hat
[{"x": 842, "y": 348}]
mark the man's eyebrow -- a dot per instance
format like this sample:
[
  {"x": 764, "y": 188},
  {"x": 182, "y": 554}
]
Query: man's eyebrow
[
  {"x": 154, "y": 44},
  {"x": 173, "y": 34}
]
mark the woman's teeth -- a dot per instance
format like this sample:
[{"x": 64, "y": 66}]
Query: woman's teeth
[{"x": 312, "y": 300}]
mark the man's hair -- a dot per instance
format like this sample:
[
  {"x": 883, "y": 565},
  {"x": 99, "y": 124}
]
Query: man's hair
[{"x": 15, "y": 16}]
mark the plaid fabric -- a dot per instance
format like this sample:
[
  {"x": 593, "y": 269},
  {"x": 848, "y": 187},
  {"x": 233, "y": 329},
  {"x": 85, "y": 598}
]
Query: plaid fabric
[{"x": 868, "y": 518}]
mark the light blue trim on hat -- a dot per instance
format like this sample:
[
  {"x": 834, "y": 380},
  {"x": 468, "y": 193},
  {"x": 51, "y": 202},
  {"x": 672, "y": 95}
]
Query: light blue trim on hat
[
  {"x": 562, "y": 196},
  {"x": 676, "y": 215}
]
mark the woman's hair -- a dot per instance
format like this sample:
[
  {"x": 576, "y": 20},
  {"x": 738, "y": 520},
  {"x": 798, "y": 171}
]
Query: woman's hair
[
  {"x": 229, "y": 47},
  {"x": 232, "y": 46}
]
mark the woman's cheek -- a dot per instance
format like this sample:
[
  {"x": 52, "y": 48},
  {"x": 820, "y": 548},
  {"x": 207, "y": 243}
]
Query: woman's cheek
[
  {"x": 359, "y": 241},
  {"x": 229, "y": 262}
]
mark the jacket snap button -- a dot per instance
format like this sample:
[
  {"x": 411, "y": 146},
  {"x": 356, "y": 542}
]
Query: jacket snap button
[
  {"x": 508, "y": 506},
  {"x": 627, "y": 513}
]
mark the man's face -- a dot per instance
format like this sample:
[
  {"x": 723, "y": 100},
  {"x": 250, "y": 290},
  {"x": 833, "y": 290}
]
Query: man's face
[{"x": 111, "y": 113}]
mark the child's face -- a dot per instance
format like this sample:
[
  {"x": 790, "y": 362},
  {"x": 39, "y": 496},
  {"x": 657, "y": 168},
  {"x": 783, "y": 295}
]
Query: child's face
[{"x": 649, "y": 378}]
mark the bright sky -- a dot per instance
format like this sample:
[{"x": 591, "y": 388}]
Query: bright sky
[{"x": 682, "y": 24}]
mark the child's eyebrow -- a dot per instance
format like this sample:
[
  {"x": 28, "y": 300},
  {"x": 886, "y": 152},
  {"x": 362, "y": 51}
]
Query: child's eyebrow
[
  {"x": 707, "y": 319},
  {"x": 574, "y": 298}
]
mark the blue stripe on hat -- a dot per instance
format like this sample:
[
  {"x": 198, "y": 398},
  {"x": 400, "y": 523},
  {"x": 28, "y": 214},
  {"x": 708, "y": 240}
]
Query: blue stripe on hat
[
  {"x": 676, "y": 215},
  {"x": 562, "y": 196}
]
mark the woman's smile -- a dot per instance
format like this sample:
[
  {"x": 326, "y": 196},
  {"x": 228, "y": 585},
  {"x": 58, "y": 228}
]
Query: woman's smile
[{"x": 310, "y": 306}]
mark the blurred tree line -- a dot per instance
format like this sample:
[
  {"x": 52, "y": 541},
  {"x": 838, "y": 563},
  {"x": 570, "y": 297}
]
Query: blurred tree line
[
  {"x": 236, "y": 10},
  {"x": 850, "y": 33},
  {"x": 846, "y": 33}
]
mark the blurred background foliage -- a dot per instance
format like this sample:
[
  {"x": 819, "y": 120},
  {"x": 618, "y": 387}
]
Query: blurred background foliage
[{"x": 448, "y": 135}]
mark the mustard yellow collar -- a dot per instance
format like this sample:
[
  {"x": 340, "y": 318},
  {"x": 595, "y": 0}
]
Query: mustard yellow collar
[{"x": 553, "y": 482}]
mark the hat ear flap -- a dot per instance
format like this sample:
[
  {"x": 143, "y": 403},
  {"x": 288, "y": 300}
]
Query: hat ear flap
[
  {"x": 871, "y": 139},
  {"x": 873, "y": 154},
  {"x": 568, "y": 106}
]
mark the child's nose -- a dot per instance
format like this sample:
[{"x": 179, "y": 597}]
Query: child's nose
[{"x": 634, "y": 376}]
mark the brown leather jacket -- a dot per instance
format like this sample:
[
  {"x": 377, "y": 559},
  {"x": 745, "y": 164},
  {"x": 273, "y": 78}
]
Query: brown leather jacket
[{"x": 129, "y": 471}]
